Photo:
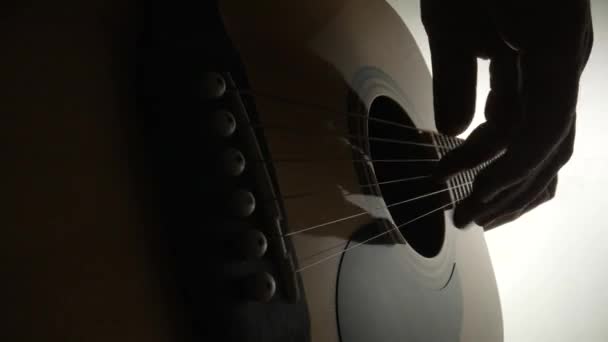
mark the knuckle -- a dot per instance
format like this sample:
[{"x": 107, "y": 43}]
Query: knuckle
[
  {"x": 566, "y": 154},
  {"x": 549, "y": 194}
]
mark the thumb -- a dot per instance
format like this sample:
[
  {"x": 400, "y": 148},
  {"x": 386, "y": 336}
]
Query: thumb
[
  {"x": 450, "y": 27},
  {"x": 484, "y": 143},
  {"x": 454, "y": 86}
]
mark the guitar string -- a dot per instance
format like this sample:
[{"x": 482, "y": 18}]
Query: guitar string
[
  {"x": 396, "y": 227},
  {"x": 303, "y": 160},
  {"x": 257, "y": 93},
  {"x": 261, "y": 94},
  {"x": 335, "y": 112},
  {"x": 342, "y": 243},
  {"x": 394, "y": 204},
  {"x": 407, "y": 179},
  {"x": 358, "y": 149},
  {"x": 365, "y": 117},
  {"x": 349, "y": 217},
  {"x": 347, "y": 137},
  {"x": 367, "y": 160},
  {"x": 313, "y": 193}
]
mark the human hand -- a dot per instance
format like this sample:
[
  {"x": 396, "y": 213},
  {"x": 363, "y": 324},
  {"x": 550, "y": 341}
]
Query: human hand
[{"x": 538, "y": 50}]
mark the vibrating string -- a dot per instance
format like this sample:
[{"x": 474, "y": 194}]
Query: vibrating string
[
  {"x": 329, "y": 160},
  {"x": 361, "y": 214},
  {"x": 356, "y": 149},
  {"x": 359, "y": 244},
  {"x": 369, "y": 185},
  {"x": 342, "y": 116},
  {"x": 261, "y": 94},
  {"x": 342, "y": 219},
  {"x": 361, "y": 116},
  {"x": 365, "y": 159},
  {"x": 393, "y": 181},
  {"x": 350, "y": 138}
]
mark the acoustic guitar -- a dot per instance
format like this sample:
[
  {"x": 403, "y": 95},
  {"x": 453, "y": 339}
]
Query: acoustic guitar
[{"x": 229, "y": 171}]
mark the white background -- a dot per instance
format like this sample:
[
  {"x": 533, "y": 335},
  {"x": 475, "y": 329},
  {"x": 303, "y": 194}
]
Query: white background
[{"x": 551, "y": 264}]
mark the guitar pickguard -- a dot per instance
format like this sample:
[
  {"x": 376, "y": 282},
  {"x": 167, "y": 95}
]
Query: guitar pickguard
[{"x": 381, "y": 298}]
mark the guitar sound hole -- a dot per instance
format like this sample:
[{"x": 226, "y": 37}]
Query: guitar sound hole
[{"x": 398, "y": 161}]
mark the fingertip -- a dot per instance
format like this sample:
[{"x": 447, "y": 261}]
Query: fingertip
[
  {"x": 478, "y": 148},
  {"x": 464, "y": 213},
  {"x": 454, "y": 87},
  {"x": 461, "y": 219},
  {"x": 492, "y": 181},
  {"x": 452, "y": 123}
]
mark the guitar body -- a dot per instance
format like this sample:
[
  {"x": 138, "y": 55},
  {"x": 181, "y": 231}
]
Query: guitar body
[
  {"x": 318, "y": 54},
  {"x": 332, "y": 106}
]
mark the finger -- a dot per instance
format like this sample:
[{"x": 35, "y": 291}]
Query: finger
[
  {"x": 502, "y": 113},
  {"x": 520, "y": 197},
  {"x": 514, "y": 214},
  {"x": 453, "y": 60},
  {"x": 519, "y": 163},
  {"x": 464, "y": 213},
  {"x": 550, "y": 80},
  {"x": 503, "y": 105},
  {"x": 514, "y": 167},
  {"x": 475, "y": 209},
  {"x": 484, "y": 143},
  {"x": 549, "y": 92},
  {"x": 454, "y": 84},
  {"x": 517, "y": 206},
  {"x": 588, "y": 41}
]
